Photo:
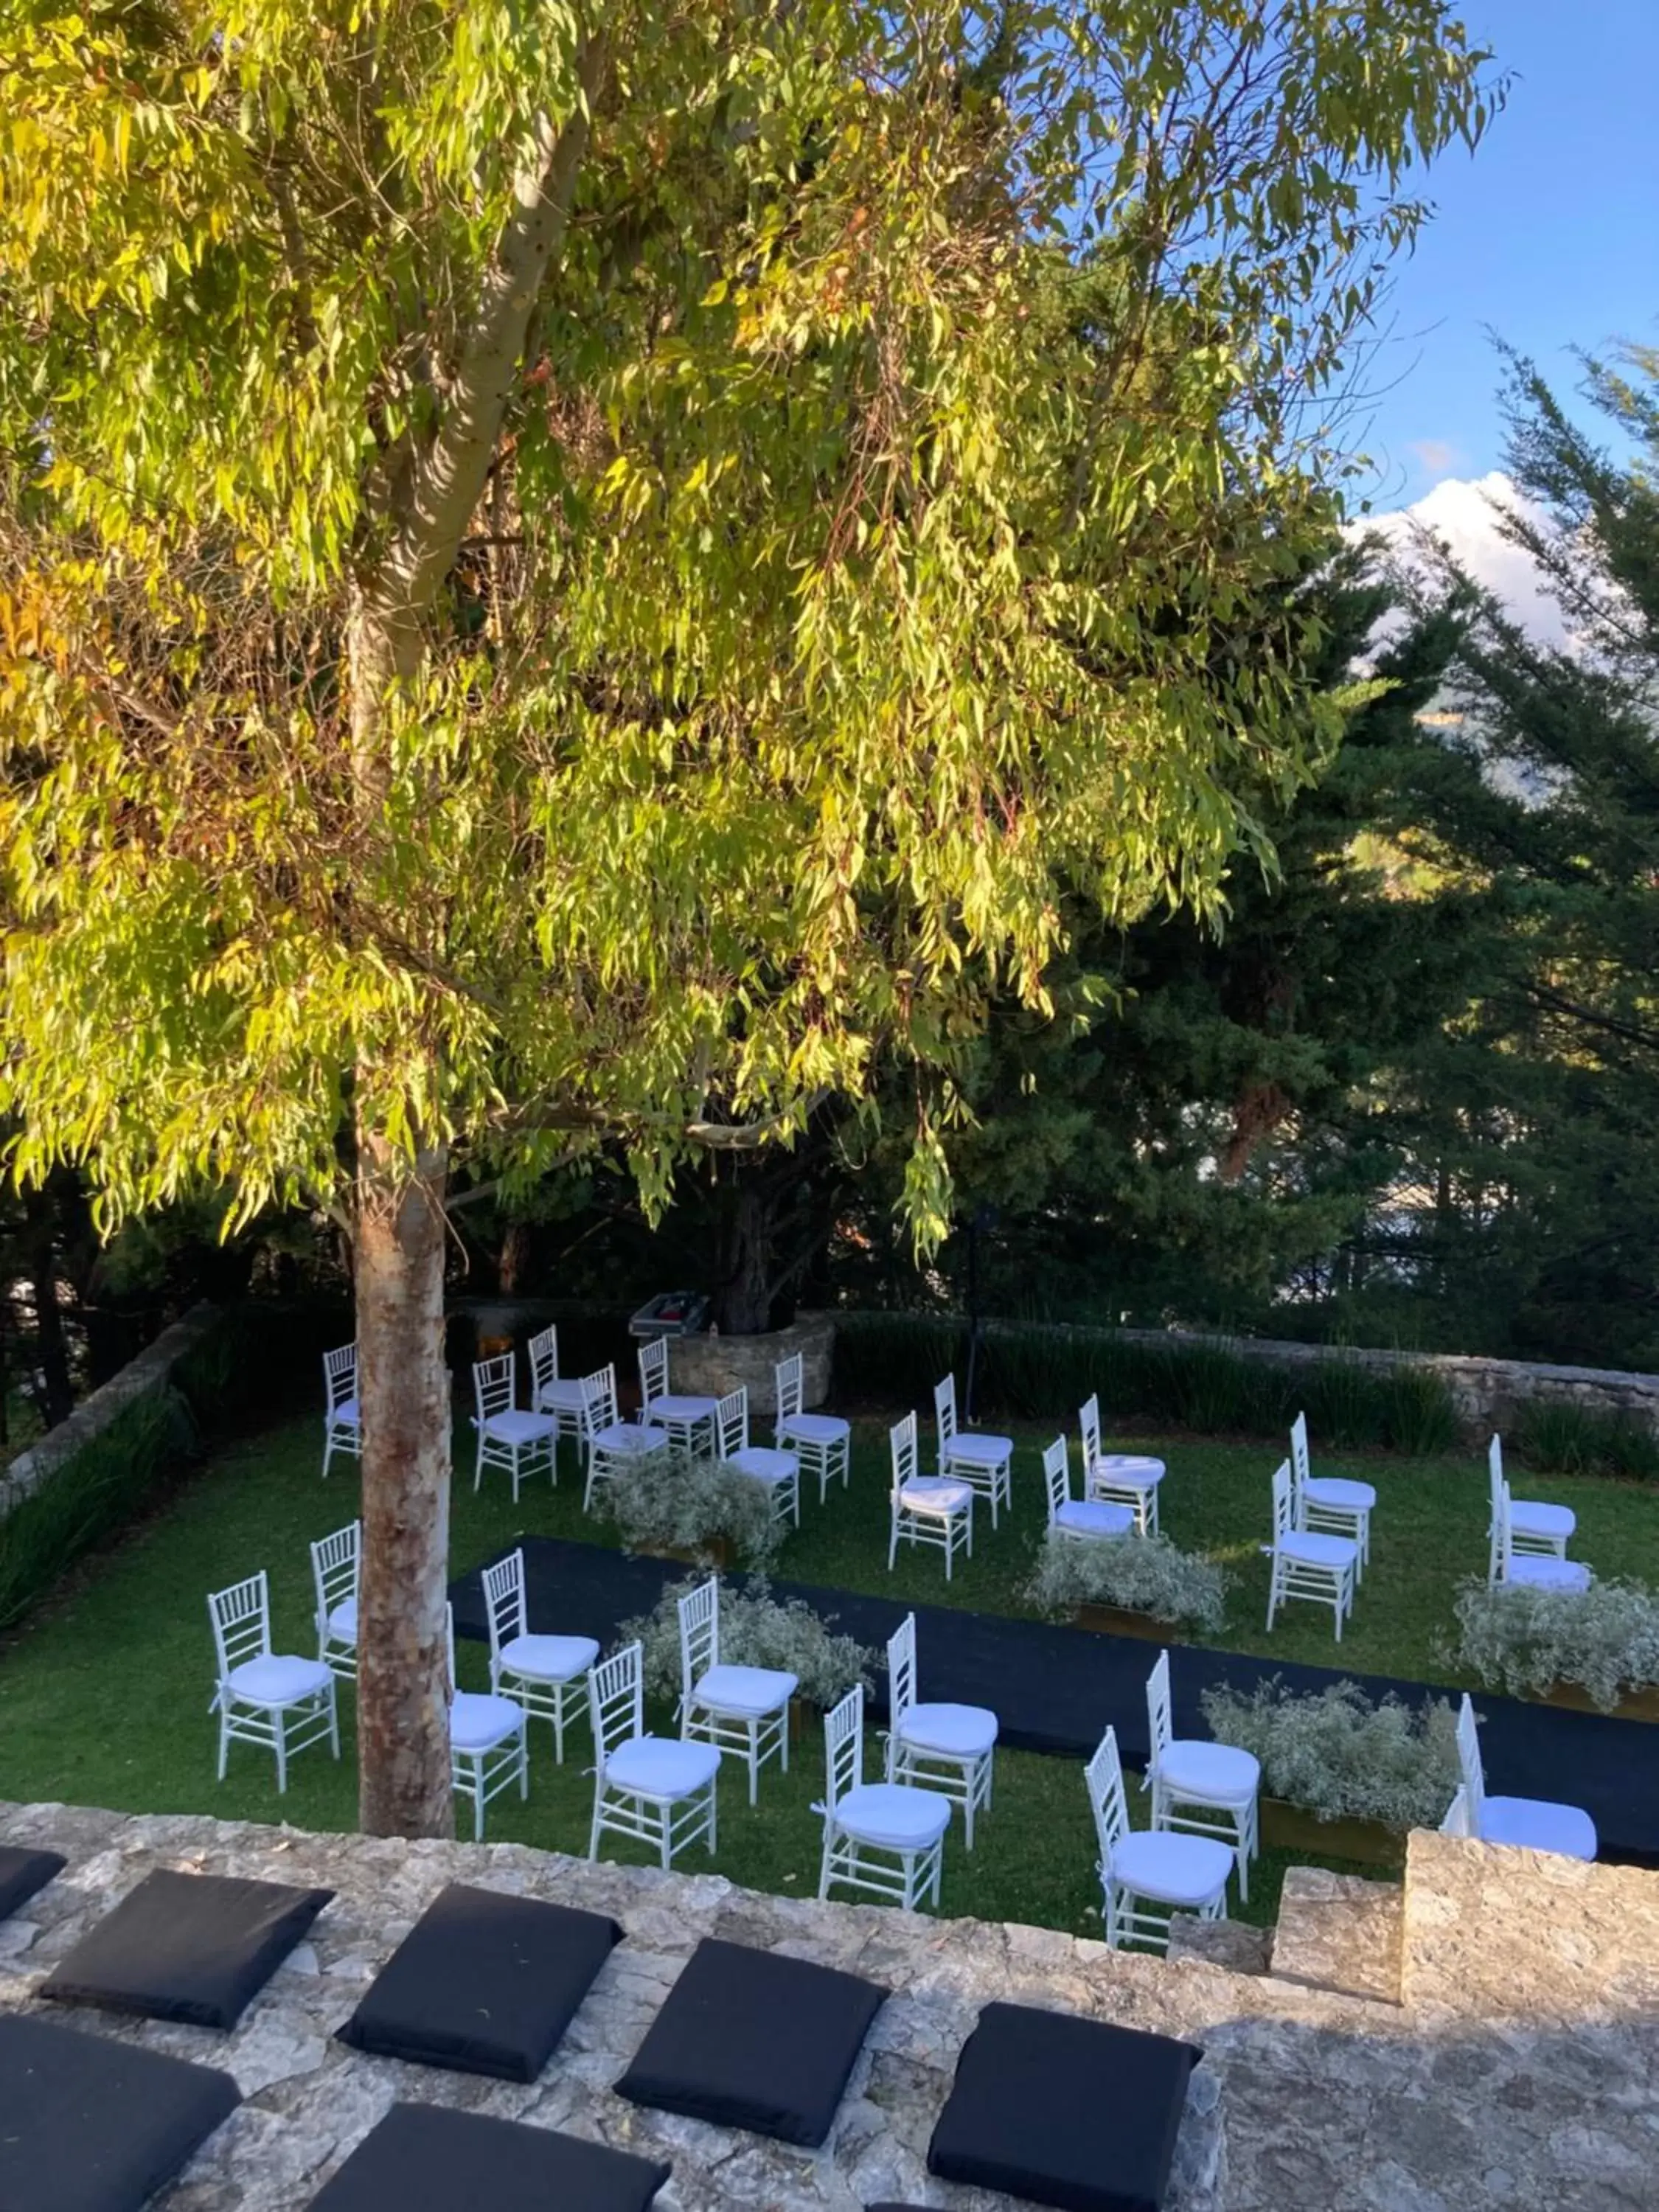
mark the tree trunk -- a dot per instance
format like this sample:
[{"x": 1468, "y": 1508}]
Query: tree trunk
[
  {"x": 402, "y": 1679},
  {"x": 52, "y": 1352},
  {"x": 513, "y": 1263},
  {"x": 743, "y": 1303}
]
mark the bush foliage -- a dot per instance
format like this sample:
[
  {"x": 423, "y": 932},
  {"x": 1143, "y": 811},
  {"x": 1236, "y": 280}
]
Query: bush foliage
[
  {"x": 1340, "y": 1755},
  {"x": 1139, "y": 1574},
  {"x": 1523, "y": 1640},
  {"x": 1036, "y": 1370},
  {"x": 755, "y": 1630},
  {"x": 672, "y": 1501}
]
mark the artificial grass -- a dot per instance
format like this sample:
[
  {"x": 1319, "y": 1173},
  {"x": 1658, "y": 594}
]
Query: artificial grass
[{"x": 105, "y": 1692}]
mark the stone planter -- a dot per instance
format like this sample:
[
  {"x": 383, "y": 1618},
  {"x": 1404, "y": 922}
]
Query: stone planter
[
  {"x": 710, "y": 1366},
  {"x": 1634, "y": 1705},
  {"x": 1293, "y": 1828},
  {"x": 1117, "y": 1621}
]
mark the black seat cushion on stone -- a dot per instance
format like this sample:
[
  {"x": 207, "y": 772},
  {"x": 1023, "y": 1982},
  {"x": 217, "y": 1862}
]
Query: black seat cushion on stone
[
  {"x": 483, "y": 1983},
  {"x": 190, "y": 1947},
  {"x": 426, "y": 2158},
  {"x": 1066, "y": 2111},
  {"x": 748, "y": 2039},
  {"x": 88, "y": 2125},
  {"x": 23, "y": 1872}
]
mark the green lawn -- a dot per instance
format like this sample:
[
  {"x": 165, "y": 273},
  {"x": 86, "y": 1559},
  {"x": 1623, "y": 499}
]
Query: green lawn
[{"x": 104, "y": 1694}]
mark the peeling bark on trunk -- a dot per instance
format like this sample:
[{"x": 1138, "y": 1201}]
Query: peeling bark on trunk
[{"x": 403, "y": 1724}]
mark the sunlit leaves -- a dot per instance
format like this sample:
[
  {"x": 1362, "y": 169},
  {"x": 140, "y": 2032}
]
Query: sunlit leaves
[{"x": 892, "y": 532}]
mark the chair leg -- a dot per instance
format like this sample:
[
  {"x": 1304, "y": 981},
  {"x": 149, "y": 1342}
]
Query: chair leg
[
  {"x": 523, "y": 1761},
  {"x": 224, "y": 1739},
  {"x": 281, "y": 1754},
  {"x": 334, "y": 1715},
  {"x": 1243, "y": 1858},
  {"x": 754, "y": 1759}
]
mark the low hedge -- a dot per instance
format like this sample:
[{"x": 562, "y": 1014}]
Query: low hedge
[
  {"x": 247, "y": 1361},
  {"x": 1033, "y": 1371}
]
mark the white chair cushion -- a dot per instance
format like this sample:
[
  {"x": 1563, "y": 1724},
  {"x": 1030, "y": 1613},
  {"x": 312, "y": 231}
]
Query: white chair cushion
[
  {"x": 1538, "y": 1824},
  {"x": 629, "y": 1436},
  {"x": 893, "y": 1815},
  {"x": 1209, "y": 1773},
  {"x": 1172, "y": 1868},
  {"x": 976, "y": 1450},
  {"x": 765, "y": 1465},
  {"x": 1548, "y": 1572},
  {"x": 342, "y": 1622},
  {"x": 746, "y": 1691},
  {"x": 816, "y": 1428},
  {"x": 345, "y": 1414},
  {"x": 478, "y": 1723},
  {"x": 518, "y": 1425},
  {"x": 669, "y": 1408},
  {"x": 275, "y": 1680},
  {"x": 1339, "y": 1495},
  {"x": 560, "y": 1395},
  {"x": 959, "y": 1731},
  {"x": 1093, "y": 1516},
  {"x": 932, "y": 1495},
  {"x": 549, "y": 1658},
  {"x": 1128, "y": 1471},
  {"x": 662, "y": 1767},
  {"x": 1532, "y": 1516},
  {"x": 1312, "y": 1551}
]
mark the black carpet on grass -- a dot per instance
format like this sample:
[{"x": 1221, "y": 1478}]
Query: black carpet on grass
[{"x": 1054, "y": 1689}]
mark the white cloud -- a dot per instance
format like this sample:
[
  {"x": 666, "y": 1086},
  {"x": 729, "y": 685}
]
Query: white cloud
[
  {"x": 1465, "y": 516},
  {"x": 1462, "y": 513}
]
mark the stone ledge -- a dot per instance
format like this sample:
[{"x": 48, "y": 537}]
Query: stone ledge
[
  {"x": 1493, "y": 1932},
  {"x": 149, "y": 1371}
]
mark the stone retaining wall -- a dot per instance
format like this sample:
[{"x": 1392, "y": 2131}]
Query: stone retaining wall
[{"x": 151, "y": 1370}]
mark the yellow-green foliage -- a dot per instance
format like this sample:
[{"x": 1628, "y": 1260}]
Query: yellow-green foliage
[{"x": 894, "y": 519}]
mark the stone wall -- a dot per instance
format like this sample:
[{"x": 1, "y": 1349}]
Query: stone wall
[
  {"x": 149, "y": 1371},
  {"x": 1521, "y": 2073},
  {"x": 709, "y": 1366}
]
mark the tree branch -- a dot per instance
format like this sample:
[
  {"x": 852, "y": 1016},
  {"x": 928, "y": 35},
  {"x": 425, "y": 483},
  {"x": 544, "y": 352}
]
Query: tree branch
[{"x": 449, "y": 476}]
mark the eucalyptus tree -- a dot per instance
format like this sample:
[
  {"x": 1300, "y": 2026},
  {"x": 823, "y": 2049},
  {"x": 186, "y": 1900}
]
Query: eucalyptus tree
[{"x": 577, "y": 576}]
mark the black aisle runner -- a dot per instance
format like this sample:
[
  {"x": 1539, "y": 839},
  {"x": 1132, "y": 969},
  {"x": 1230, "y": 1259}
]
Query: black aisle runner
[{"x": 1054, "y": 1689}]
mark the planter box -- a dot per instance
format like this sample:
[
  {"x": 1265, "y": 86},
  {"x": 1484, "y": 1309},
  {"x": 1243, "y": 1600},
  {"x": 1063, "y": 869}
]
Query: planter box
[
  {"x": 1293, "y": 1828},
  {"x": 1634, "y": 1705},
  {"x": 709, "y": 1366},
  {"x": 1116, "y": 1620},
  {"x": 715, "y": 1554}
]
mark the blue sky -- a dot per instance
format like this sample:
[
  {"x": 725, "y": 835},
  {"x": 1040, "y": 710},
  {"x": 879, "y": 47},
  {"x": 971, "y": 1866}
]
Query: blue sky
[{"x": 1550, "y": 235}]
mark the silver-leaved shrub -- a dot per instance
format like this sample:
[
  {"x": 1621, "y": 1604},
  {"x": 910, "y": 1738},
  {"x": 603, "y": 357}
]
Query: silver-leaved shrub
[
  {"x": 1340, "y": 1755},
  {"x": 1141, "y": 1574},
  {"x": 1524, "y": 1640},
  {"x": 757, "y": 1630},
  {"x": 673, "y": 1501}
]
